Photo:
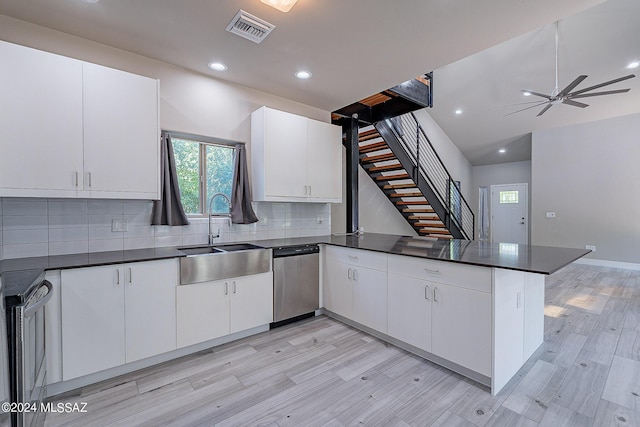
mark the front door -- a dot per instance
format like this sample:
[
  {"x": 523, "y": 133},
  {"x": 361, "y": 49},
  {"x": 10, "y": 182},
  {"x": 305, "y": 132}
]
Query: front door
[{"x": 509, "y": 214}]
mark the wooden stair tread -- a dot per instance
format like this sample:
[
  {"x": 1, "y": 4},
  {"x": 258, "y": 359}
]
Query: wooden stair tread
[
  {"x": 419, "y": 202},
  {"x": 373, "y": 147},
  {"x": 418, "y": 210},
  {"x": 423, "y": 218},
  {"x": 368, "y": 134},
  {"x": 398, "y": 186},
  {"x": 377, "y": 158},
  {"x": 424, "y": 231},
  {"x": 428, "y": 224},
  {"x": 416, "y": 194},
  {"x": 392, "y": 177},
  {"x": 385, "y": 168}
]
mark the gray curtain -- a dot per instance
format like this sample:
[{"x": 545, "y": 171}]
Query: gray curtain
[
  {"x": 168, "y": 210},
  {"x": 241, "y": 210}
]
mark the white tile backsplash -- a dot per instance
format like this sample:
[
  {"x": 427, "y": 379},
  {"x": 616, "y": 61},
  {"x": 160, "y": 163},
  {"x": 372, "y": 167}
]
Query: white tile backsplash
[{"x": 38, "y": 227}]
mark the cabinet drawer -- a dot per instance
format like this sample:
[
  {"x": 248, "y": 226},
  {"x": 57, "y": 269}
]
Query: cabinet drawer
[
  {"x": 466, "y": 276},
  {"x": 362, "y": 258}
]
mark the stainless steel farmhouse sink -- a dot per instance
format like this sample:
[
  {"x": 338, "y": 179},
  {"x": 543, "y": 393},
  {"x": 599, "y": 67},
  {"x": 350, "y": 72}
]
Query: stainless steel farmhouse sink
[{"x": 207, "y": 263}]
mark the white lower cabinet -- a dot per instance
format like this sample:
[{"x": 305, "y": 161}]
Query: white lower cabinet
[
  {"x": 210, "y": 310},
  {"x": 355, "y": 286},
  {"x": 461, "y": 327},
  {"x": 115, "y": 314},
  {"x": 409, "y": 310}
]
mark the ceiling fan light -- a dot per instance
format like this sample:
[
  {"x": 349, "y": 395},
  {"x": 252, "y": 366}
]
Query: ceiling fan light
[
  {"x": 281, "y": 5},
  {"x": 526, "y": 93},
  {"x": 632, "y": 65}
]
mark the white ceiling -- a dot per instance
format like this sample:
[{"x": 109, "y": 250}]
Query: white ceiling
[{"x": 356, "y": 48}]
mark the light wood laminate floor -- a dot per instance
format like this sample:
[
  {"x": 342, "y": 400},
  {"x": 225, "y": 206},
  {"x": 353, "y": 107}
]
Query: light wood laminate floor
[{"x": 320, "y": 372}]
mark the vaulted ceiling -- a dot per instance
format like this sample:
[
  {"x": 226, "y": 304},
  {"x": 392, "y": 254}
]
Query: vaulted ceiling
[{"x": 359, "y": 47}]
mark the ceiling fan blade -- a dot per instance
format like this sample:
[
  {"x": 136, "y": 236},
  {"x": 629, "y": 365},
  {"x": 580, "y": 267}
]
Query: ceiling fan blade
[
  {"x": 537, "y": 94},
  {"x": 544, "y": 110},
  {"x": 527, "y": 108},
  {"x": 610, "y": 82},
  {"x": 606, "y": 92},
  {"x": 574, "y": 103},
  {"x": 571, "y": 85},
  {"x": 538, "y": 101}
]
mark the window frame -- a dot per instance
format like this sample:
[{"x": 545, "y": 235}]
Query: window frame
[{"x": 203, "y": 142}]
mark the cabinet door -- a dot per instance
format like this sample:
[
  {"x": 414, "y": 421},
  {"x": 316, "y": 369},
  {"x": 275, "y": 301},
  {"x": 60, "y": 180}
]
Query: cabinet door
[
  {"x": 251, "y": 302},
  {"x": 461, "y": 327},
  {"x": 508, "y": 325},
  {"x": 370, "y": 298},
  {"x": 150, "y": 308},
  {"x": 409, "y": 308},
  {"x": 40, "y": 123},
  {"x": 285, "y": 155},
  {"x": 324, "y": 152},
  {"x": 92, "y": 320},
  {"x": 121, "y": 134},
  {"x": 337, "y": 292},
  {"x": 203, "y": 312}
]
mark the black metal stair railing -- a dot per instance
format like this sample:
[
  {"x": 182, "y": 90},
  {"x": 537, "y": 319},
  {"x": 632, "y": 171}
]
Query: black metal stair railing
[{"x": 429, "y": 167}]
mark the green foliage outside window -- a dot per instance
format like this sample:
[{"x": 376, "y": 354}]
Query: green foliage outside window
[{"x": 215, "y": 163}]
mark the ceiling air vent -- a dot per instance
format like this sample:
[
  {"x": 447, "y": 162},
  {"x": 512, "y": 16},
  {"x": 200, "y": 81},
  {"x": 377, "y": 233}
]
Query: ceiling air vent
[{"x": 250, "y": 27}]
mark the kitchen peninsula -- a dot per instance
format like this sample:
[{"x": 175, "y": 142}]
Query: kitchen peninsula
[{"x": 474, "y": 307}]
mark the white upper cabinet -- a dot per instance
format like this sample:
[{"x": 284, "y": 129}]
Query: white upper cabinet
[
  {"x": 121, "y": 134},
  {"x": 40, "y": 123},
  {"x": 294, "y": 158},
  {"x": 75, "y": 129}
]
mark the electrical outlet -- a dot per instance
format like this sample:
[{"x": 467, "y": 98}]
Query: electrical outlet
[
  {"x": 119, "y": 225},
  {"x": 551, "y": 214},
  {"x": 592, "y": 248}
]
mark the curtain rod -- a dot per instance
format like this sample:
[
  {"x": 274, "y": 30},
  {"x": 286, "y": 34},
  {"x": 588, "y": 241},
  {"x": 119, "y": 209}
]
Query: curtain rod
[{"x": 202, "y": 138}]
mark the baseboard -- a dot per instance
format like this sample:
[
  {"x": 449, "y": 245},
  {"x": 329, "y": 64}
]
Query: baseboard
[{"x": 607, "y": 263}]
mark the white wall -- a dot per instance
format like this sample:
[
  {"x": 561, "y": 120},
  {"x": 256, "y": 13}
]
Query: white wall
[
  {"x": 503, "y": 173},
  {"x": 588, "y": 175},
  {"x": 453, "y": 159}
]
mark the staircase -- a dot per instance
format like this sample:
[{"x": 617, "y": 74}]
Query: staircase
[{"x": 399, "y": 158}]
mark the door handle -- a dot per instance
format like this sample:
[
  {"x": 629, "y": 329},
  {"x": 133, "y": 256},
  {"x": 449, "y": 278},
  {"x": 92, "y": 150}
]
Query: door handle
[
  {"x": 118, "y": 277},
  {"x": 349, "y": 274},
  {"x": 130, "y": 275},
  {"x": 435, "y": 294},
  {"x": 426, "y": 292},
  {"x": 226, "y": 288},
  {"x": 234, "y": 287},
  {"x": 355, "y": 275},
  {"x": 89, "y": 178},
  {"x": 76, "y": 178}
]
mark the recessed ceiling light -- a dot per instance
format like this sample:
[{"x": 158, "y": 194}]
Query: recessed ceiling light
[
  {"x": 458, "y": 111},
  {"x": 502, "y": 151},
  {"x": 526, "y": 93},
  {"x": 303, "y": 75},
  {"x": 281, "y": 5},
  {"x": 218, "y": 66},
  {"x": 90, "y": 1},
  {"x": 634, "y": 64}
]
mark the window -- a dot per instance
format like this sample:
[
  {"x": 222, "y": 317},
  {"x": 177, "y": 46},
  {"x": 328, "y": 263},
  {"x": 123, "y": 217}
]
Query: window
[
  {"x": 509, "y": 197},
  {"x": 203, "y": 169}
]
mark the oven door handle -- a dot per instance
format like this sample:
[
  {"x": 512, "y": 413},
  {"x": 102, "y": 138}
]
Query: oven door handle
[{"x": 29, "y": 311}]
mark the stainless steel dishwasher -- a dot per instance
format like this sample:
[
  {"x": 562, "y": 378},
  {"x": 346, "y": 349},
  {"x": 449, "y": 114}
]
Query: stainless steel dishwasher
[{"x": 296, "y": 288}]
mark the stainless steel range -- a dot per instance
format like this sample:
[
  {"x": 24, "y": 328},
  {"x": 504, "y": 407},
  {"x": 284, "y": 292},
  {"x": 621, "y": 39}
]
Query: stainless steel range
[{"x": 25, "y": 304}]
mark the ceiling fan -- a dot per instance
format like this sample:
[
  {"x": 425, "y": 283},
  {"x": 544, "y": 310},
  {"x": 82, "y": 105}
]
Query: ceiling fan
[{"x": 565, "y": 96}]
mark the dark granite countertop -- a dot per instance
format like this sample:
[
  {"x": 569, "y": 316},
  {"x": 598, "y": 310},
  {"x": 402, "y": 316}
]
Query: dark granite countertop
[{"x": 534, "y": 259}]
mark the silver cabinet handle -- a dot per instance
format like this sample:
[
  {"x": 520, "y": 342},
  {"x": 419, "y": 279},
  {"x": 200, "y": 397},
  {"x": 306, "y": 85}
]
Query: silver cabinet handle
[
  {"x": 353, "y": 257},
  {"x": 130, "y": 275},
  {"x": 305, "y": 190},
  {"x": 309, "y": 190},
  {"x": 118, "y": 277},
  {"x": 76, "y": 178},
  {"x": 426, "y": 292},
  {"x": 355, "y": 275},
  {"x": 349, "y": 273},
  {"x": 432, "y": 271},
  {"x": 435, "y": 294},
  {"x": 234, "y": 287},
  {"x": 89, "y": 178},
  {"x": 518, "y": 300},
  {"x": 226, "y": 288}
]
